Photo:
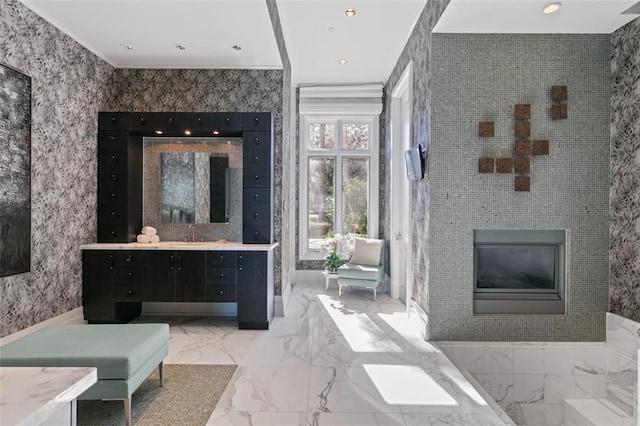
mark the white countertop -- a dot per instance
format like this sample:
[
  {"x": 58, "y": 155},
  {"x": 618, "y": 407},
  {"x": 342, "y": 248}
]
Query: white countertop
[
  {"x": 180, "y": 245},
  {"x": 29, "y": 395}
]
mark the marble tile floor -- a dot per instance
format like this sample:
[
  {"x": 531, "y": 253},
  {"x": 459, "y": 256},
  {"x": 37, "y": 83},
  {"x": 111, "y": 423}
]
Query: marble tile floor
[{"x": 330, "y": 361}]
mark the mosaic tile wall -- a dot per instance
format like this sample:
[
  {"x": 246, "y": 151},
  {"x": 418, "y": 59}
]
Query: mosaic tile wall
[
  {"x": 151, "y": 188},
  {"x": 68, "y": 83},
  {"x": 624, "y": 195},
  {"x": 418, "y": 51},
  {"x": 209, "y": 90},
  {"x": 479, "y": 78},
  {"x": 287, "y": 207}
]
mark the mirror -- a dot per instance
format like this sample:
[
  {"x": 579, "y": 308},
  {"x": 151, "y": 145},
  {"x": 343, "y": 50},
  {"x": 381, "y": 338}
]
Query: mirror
[
  {"x": 194, "y": 187},
  {"x": 195, "y": 169}
]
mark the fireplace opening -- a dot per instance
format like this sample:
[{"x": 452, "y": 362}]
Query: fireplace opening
[{"x": 519, "y": 272}]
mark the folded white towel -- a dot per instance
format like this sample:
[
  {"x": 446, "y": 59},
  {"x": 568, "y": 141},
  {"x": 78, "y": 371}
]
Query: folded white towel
[
  {"x": 155, "y": 239},
  {"x": 149, "y": 230},
  {"x": 143, "y": 238}
]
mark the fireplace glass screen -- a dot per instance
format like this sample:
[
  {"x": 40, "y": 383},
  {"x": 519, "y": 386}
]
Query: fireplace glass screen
[{"x": 507, "y": 267}]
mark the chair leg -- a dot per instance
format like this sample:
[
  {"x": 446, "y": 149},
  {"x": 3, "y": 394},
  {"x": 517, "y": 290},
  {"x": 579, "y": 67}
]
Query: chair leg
[
  {"x": 374, "y": 294},
  {"x": 161, "y": 373},
  {"x": 339, "y": 290},
  {"x": 127, "y": 411}
]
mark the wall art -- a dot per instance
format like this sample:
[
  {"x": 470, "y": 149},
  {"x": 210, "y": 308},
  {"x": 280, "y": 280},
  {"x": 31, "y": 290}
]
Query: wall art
[{"x": 15, "y": 172}]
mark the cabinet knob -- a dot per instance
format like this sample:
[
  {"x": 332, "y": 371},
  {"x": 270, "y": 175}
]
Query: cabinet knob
[
  {"x": 257, "y": 177},
  {"x": 170, "y": 120},
  {"x": 221, "y": 275},
  {"x": 257, "y": 140},
  {"x": 130, "y": 274},
  {"x": 114, "y": 120},
  {"x": 255, "y": 215},
  {"x": 114, "y": 214},
  {"x": 113, "y": 196},
  {"x": 227, "y": 119},
  {"x": 257, "y": 120},
  {"x": 129, "y": 258},
  {"x": 113, "y": 233},
  {"x": 255, "y": 196},
  {"x": 221, "y": 292},
  {"x": 142, "y": 120},
  {"x": 200, "y": 120},
  {"x": 114, "y": 158},
  {"x": 221, "y": 259},
  {"x": 130, "y": 293},
  {"x": 112, "y": 138},
  {"x": 114, "y": 177},
  {"x": 257, "y": 159}
]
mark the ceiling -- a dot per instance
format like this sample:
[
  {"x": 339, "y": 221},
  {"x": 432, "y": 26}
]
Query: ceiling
[
  {"x": 525, "y": 16},
  {"x": 317, "y": 32}
]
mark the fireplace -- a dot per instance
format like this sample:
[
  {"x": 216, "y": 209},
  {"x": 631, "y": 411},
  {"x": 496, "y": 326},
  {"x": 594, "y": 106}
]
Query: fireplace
[{"x": 519, "y": 272}]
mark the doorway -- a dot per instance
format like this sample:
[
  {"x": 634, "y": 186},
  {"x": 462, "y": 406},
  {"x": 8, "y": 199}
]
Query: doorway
[{"x": 401, "y": 200}]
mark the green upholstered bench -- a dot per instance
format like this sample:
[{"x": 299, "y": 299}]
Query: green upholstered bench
[{"x": 124, "y": 354}]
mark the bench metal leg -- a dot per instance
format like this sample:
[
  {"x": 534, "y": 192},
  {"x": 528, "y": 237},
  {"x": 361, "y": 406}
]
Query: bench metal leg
[
  {"x": 161, "y": 373},
  {"x": 127, "y": 411},
  {"x": 374, "y": 294}
]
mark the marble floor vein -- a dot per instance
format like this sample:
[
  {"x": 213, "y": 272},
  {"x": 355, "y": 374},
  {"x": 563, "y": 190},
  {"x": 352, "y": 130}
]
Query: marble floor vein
[{"x": 330, "y": 360}]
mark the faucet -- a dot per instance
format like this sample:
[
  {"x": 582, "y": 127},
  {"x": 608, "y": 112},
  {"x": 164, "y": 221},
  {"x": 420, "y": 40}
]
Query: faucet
[{"x": 193, "y": 233}]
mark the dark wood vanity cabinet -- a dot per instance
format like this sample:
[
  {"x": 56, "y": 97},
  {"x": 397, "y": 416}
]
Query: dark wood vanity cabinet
[
  {"x": 221, "y": 276},
  {"x": 175, "y": 276},
  {"x": 119, "y": 180},
  {"x": 257, "y": 186},
  {"x": 112, "y": 283},
  {"x": 255, "y": 290}
]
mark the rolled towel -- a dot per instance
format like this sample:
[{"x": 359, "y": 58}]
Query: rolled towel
[
  {"x": 155, "y": 239},
  {"x": 149, "y": 230},
  {"x": 143, "y": 238}
]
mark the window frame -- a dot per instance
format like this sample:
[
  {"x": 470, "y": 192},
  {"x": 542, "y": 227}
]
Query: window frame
[{"x": 338, "y": 153}]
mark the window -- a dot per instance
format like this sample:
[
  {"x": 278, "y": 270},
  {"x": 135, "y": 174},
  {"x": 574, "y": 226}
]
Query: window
[{"x": 338, "y": 179}]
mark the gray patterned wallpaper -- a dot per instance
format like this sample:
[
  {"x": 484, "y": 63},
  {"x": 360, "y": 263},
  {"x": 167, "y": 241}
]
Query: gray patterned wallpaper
[
  {"x": 479, "y": 77},
  {"x": 418, "y": 51},
  {"x": 624, "y": 194},
  {"x": 68, "y": 83},
  {"x": 209, "y": 90},
  {"x": 286, "y": 203}
]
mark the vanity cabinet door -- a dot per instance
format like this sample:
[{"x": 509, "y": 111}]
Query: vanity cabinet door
[
  {"x": 113, "y": 120},
  {"x": 222, "y": 259},
  {"x": 253, "y": 294},
  {"x": 190, "y": 276},
  {"x": 170, "y": 122},
  {"x": 200, "y": 123},
  {"x": 256, "y": 141},
  {"x": 98, "y": 285},
  {"x": 228, "y": 122},
  {"x": 142, "y": 121},
  {"x": 256, "y": 122},
  {"x": 161, "y": 276}
]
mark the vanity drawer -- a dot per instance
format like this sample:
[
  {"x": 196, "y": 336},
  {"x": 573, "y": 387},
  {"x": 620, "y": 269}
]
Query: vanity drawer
[
  {"x": 112, "y": 232},
  {"x": 113, "y": 120},
  {"x": 257, "y": 159},
  {"x": 112, "y": 138},
  {"x": 221, "y": 293},
  {"x": 222, "y": 259},
  {"x": 256, "y": 234},
  {"x": 255, "y": 197},
  {"x": 200, "y": 122},
  {"x": 142, "y": 121},
  {"x": 134, "y": 258},
  {"x": 221, "y": 276},
  {"x": 256, "y": 121},
  {"x": 112, "y": 199},
  {"x": 133, "y": 276},
  {"x": 228, "y": 122},
  {"x": 170, "y": 122},
  {"x": 252, "y": 141},
  {"x": 259, "y": 216},
  {"x": 130, "y": 293},
  {"x": 256, "y": 178}
]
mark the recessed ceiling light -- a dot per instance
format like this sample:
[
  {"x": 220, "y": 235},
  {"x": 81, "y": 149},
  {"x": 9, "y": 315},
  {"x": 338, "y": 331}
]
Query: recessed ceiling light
[
  {"x": 180, "y": 46},
  {"x": 187, "y": 132},
  {"x": 215, "y": 132},
  {"x": 551, "y": 7},
  {"x": 236, "y": 47},
  {"x": 350, "y": 12},
  {"x": 127, "y": 46},
  {"x": 343, "y": 61},
  {"x": 331, "y": 29},
  {"x": 158, "y": 132}
]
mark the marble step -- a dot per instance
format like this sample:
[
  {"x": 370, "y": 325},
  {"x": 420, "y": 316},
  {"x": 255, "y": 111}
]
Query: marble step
[
  {"x": 485, "y": 395},
  {"x": 594, "y": 412}
]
